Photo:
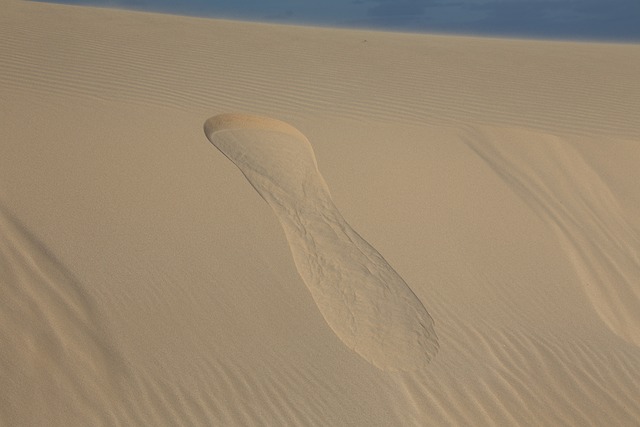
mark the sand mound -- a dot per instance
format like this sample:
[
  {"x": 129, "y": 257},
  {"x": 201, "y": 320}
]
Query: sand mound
[{"x": 364, "y": 301}]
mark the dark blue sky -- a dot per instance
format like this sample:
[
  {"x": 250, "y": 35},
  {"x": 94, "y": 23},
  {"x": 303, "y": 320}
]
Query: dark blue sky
[{"x": 566, "y": 19}]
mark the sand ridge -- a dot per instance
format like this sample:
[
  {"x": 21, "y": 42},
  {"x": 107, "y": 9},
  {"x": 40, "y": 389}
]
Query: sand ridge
[
  {"x": 588, "y": 220},
  {"x": 57, "y": 351}
]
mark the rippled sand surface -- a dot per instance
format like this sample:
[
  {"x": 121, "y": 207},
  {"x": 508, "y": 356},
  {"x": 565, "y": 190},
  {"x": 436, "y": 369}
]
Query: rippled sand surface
[{"x": 374, "y": 229}]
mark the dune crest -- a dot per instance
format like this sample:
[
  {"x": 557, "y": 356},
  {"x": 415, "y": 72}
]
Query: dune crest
[{"x": 364, "y": 301}]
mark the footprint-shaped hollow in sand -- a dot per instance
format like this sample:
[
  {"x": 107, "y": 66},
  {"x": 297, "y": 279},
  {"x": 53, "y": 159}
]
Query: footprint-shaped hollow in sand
[{"x": 361, "y": 297}]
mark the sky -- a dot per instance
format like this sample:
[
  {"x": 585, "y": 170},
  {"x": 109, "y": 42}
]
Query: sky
[{"x": 609, "y": 20}]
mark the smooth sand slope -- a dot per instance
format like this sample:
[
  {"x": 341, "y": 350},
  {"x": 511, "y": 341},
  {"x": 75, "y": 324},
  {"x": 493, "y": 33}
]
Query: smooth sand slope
[{"x": 493, "y": 277}]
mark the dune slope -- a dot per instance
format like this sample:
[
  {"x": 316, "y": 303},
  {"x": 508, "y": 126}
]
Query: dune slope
[{"x": 144, "y": 281}]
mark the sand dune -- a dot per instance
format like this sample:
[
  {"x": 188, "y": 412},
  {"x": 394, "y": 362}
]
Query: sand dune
[{"x": 144, "y": 282}]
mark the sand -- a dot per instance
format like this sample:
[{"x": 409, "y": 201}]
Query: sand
[{"x": 208, "y": 222}]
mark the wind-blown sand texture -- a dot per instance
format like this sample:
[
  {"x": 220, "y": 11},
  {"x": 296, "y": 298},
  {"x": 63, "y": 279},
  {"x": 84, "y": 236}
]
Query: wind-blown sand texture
[{"x": 144, "y": 281}]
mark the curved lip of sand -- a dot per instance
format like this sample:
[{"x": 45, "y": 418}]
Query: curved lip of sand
[{"x": 239, "y": 121}]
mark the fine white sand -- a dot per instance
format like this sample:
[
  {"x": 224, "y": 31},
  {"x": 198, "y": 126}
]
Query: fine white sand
[{"x": 205, "y": 222}]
